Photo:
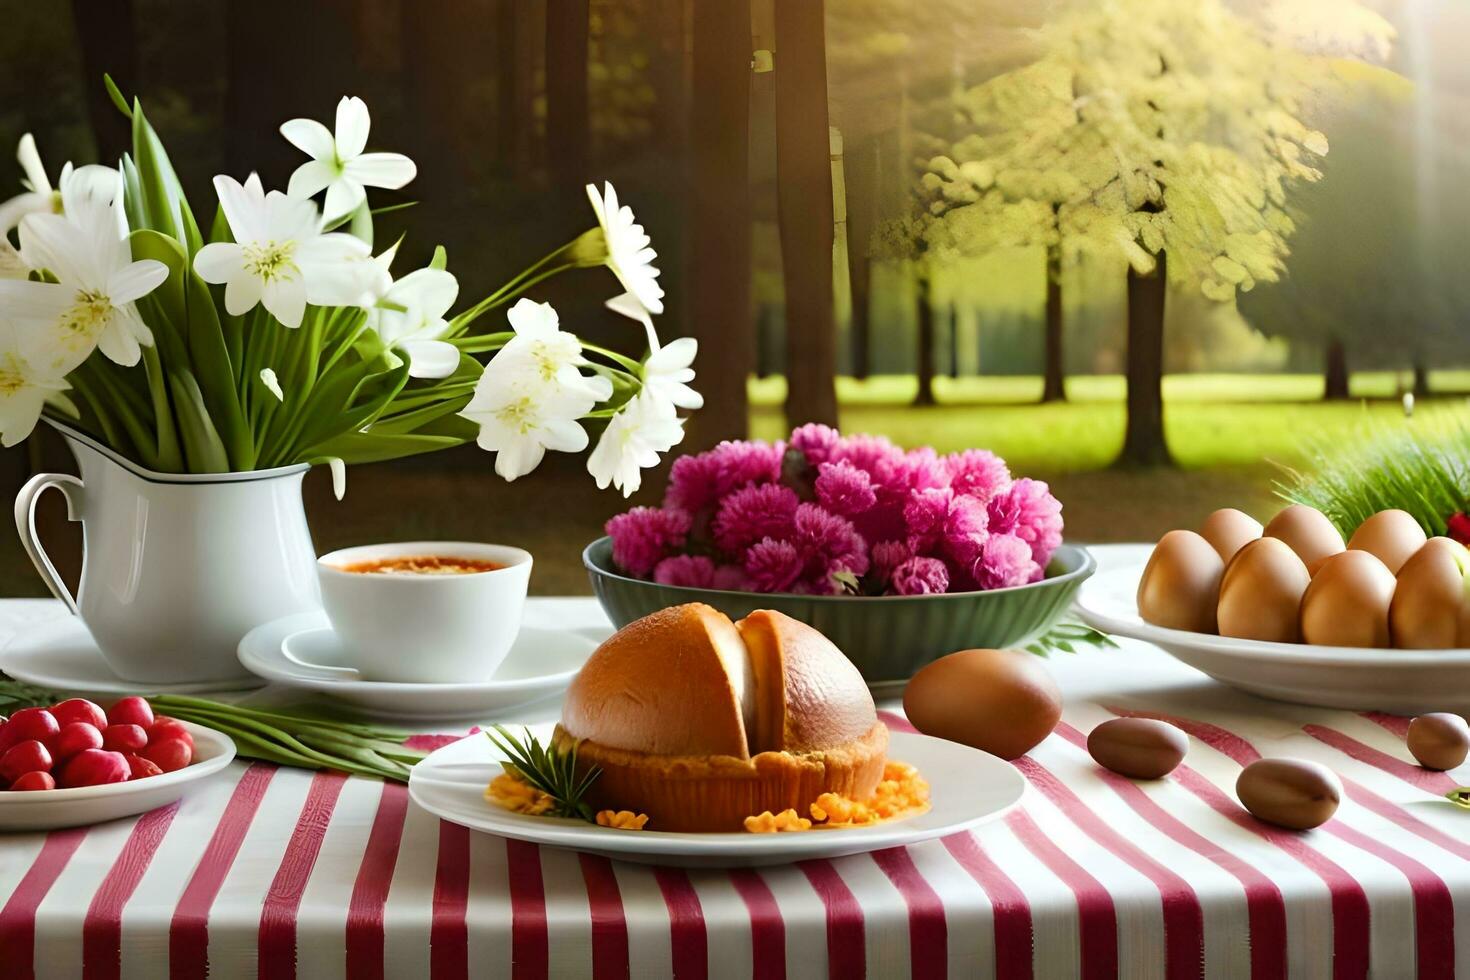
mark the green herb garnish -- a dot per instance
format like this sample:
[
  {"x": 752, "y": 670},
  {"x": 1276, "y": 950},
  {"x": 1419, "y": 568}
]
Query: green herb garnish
[
  {"x": 548, "y": 769},
  {"x": 1067, "y": 636},
  {"x": 1459, "y": 796}
]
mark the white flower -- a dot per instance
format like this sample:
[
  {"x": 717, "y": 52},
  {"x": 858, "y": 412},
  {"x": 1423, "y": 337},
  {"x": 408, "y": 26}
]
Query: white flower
[
  {"x": 12, "y": 266},
  {"x": 40, "y": 197},
  {"x": 90, "y": 306},
  {"x": 628, "y": 254},
  {"x": 520, "y": 418},
  {"x": 280, "y": 258},
  {"x": 545, "y": 352},
  {"x": 338, "y": 163},
  {"x": 666, "y": 374},
  {"x": 425, "y": 296},
  {"x": 634, "y": 438},
  {"x": 23, "y": 392},
  {"x": 627, "y": 304}
]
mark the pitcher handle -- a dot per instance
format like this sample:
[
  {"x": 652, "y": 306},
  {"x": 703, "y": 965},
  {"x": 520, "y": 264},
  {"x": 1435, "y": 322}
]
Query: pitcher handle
[{"x": 25, "y": 525}]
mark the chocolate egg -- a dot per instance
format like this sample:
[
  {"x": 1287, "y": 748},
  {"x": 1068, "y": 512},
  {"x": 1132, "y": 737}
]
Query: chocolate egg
[
  {"x": 1140, "y": 748},
  {"x": 1001, "y": 701},
  {"x": 1429, "y": 600},
  {"x": 1348, "y": 601},
  {"x": 1307, "y": 530},
  {"x": 1391, "y": 535},
  {"x": 1229, "y": 530},
  {"x": 1439, "y": 740},
  {"x": 1292, "y": 793},
  {"x": 1181, "y": 583},
  {"x": 1261, "y": 593}
]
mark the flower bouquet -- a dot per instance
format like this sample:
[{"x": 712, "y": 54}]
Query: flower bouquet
[
  {"x": 272, "y": 335},
  {"x": 898, "y": 556}
]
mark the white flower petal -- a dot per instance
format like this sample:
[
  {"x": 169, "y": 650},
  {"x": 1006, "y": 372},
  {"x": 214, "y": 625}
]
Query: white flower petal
[
  {"x": 311, "y": 138},
  {"x": 285, "y": 298},
  {"x": 242, "y": 292},
  {"x": 430, "y": 358},
  {"x": 339, "y": 477},
  {"x": 388, "y": 170},
  {"x": 13, "y": 210},
  {"x": 434, "y": 290},
  {"x": 352, "y": 127},
  {"x": 220, "y": 262},
  {"x": 343, "y": 197},
  {"x": 628, "y": 305},
  {"x": 135, "y": 280},
  {"x": 312, "y": 177},
  {"x": 118, "y": 344},
  {"x": 272, "y": 384},
  {"x": 242, "y": 207},
  {"x": 30, "y": 164}
]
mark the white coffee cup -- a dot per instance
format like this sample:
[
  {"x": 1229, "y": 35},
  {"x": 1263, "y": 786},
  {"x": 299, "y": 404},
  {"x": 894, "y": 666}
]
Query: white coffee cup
[{"x": 424, "y": 628}]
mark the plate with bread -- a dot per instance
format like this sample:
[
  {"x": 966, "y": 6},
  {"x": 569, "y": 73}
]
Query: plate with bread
[{"x": 688, "y": 739}]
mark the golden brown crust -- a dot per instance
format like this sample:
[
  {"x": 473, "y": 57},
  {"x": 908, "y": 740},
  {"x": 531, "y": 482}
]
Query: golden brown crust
[{"x": 708, "y": 793}]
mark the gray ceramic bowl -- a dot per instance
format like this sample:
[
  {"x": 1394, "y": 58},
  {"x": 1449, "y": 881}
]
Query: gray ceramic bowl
[{"x": 888, "y": 637}]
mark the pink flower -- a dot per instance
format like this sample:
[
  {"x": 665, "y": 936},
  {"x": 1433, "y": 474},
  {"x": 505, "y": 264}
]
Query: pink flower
[
  {"x": 875, "y": 455},
  {"x": 1006, "y": 562},
  {"x": 920, "y": 576},
  {"x": 829, "y": 546},
  {"x": 939, "y": 520},
  {"x": 696, "y": 483},
  {"x": 887, "y": 556},
  {"x": 977, "y": 473},
  {"x": 773, "y": 566},
  {"x": 816, "y": 442},
  {"x": 730, "y": 578},
  {"x": 844, "y": 489},
  {"x": 754, "y": 512},
  {"x": 1028, "y": 510},
  {"x": 685, "y": 571},
  {"x": 645, "y": 536}
]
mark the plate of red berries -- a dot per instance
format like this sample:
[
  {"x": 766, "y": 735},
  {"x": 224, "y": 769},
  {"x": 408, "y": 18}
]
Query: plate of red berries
[{"x": 76, "y": 763}]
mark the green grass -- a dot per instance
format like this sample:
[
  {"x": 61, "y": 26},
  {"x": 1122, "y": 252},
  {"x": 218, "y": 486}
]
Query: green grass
[{"x": 1210, "y": 420}]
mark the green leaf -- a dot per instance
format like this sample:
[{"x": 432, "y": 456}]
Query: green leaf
[
  {"x": 115, "y": 94},
  {"x": 203, "y": 448},
  {"x": 162, "y": 196},
  {"x": 440, "y": 260}
]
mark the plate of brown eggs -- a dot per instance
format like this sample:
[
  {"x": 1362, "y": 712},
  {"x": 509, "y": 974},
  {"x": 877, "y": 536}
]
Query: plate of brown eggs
[{"x": 1292, "y": 611}]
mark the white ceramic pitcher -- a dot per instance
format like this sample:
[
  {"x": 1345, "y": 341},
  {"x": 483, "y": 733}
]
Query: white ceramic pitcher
[{"x": 176, "y": 567}]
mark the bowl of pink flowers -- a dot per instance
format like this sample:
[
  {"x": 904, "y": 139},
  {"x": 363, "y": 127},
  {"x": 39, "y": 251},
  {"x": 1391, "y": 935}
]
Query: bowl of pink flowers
[{"x": 899, "y": 556}]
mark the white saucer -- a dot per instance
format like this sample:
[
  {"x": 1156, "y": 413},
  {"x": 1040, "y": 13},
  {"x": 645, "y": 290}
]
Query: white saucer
[
  {"x": 967, "y": 787},
  {"x": 302, "y": 651},
  {"x": 60, "y": 655}
]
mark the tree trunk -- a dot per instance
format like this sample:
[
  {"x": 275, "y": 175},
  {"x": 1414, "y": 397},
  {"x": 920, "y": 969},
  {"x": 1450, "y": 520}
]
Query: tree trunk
[
  {"x": 507, "y": 106},
  {"x": 109, "y": 46},
  {"x": 952, "y": 321},
  {"x": 567, "y": 132},
  {"x": 804, "y": 211},
  {"x": 443, "y": 59},
  {"x": 1335, "y": 371},
  {"x": 719, "y": 301},
  {"x": 1421, "y": 378},
  {"x": 1143, "y": 443},
  {"x": 1053, "y": 385},
  {"x": 862, "y": 204},
  {"x": 925, "y": 368}
]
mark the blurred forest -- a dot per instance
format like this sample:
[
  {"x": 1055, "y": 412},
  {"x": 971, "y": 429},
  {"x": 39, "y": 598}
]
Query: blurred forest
[{"x": 854, "y": 187}]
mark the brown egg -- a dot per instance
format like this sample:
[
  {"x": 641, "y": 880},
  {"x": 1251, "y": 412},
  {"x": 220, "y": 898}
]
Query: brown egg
[
  {"x": 1292, "y": 793},
  {"x": 1261, "y": 593},
  {"x": 1001, "y": 701},
  {"x": 1439, "y": 740},
  {"x": 1229, "y": 530},
  {"x": 1392, "y": 535},
  {"x": 1348, "y": 601},
  {"x": 1310, "y": 534},
  {"x": 1181, "y": 583},
  {"x": 1140, "y": 748},
  {"x": 1430, "y": 597}
]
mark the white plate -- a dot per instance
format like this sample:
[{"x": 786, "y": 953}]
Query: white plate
[
  {"x": 52, "y": 808},
  {"x": 60, "y": 655},
  {"x": 967, "y": 787},
  {"x": 302, "y": 651},
  {"x": 1398, "y": 681}
]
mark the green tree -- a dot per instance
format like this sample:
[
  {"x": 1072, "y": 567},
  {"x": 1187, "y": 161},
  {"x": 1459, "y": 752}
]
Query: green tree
[{"x": 1167, "y": 135}]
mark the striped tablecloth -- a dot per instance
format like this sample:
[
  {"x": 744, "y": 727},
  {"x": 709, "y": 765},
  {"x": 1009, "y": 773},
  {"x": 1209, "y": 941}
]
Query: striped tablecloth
[{"x": 280, "y": 873}]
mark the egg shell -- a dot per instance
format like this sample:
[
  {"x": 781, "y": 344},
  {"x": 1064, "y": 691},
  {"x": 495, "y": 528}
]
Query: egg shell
[
  {"x": 1392, "y": 535},
  {"x": 1430, "y": 597},
  {"x": 1439, "y": 740},
  {"x": 1348, "y": 601},
  {"x": 1308, "y": 531},
  {"x": 1180, "y": 586},
  {"x": 1261, "y": 593},
  {"x": 1229, "y": 530},
  {"x": 1140, "y": 748},
  {"x": 1294, "y": 793},
  {"x": 1000, "y": 701}
]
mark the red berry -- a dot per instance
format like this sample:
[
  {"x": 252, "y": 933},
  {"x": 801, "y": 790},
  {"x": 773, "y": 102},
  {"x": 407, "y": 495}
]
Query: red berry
[
  {"x": 74, "y": 737},
  {"x": 141, "y": 767},
  {"x": 131, "y": 710},
  {"x": 31, "y": 723},
  {"x": 34, "y": 780},
  {"x": 124, "y": 738},
  {"x": 79, "y": 709},
  {"x": 169, "y": 754},
  {"x": 23, "y": 757},
  {"x": 94, "y": 767},
  {"x": 165, "y": 729}
]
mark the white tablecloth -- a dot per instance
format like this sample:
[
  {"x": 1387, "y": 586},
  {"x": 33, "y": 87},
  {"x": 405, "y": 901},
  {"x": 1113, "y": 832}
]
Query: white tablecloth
[{"x": 284, "y": 873}]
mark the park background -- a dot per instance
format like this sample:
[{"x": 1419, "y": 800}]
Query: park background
[{"x": 938, "y": 222}]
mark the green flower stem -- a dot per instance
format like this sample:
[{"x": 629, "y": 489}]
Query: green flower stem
[
  {"x": 573, "y": 254},
  {"x": 170, "y": 456},
  {"x": 627, "y": 363},
  {"x": 83, "y": 386},
  {"x": 117, "y": 402}
]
